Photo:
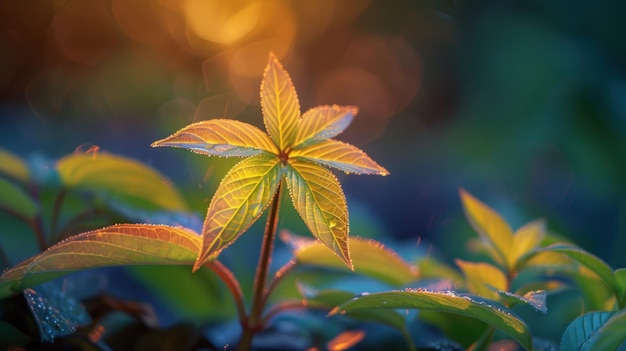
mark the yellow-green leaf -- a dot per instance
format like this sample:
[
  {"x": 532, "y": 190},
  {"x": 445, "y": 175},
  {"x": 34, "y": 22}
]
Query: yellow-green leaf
[
  {"x": 279, "y": 100},
  {"x": 526, "y": 239},
  {"x": 492, "y": 228},
  {"x": 15, "y": 200},
  {"x": 323, "y": 122},
  {"x": 122, "y": 244},
  {"x": 221, "y": 137},
  {"x": 119, "y": 177},
  {"x": 13, "y": 166},
  {"x": 370, "y": 258},
  {"x": 238, "y": 202},
  {"x": 319, "y": 199},
  {"x": 342, "y": 156},
  {"x": 483, "y": 279}
]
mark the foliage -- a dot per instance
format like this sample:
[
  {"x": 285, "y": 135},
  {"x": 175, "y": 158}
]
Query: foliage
[{"x": 74, "y": 229}]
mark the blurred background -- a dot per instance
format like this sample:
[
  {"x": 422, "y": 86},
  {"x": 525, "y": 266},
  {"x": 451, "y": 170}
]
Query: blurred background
[{"x": 521, "y": 102}]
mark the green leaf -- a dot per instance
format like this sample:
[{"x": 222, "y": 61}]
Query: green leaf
[
  {"x": 122, "y": 244},
  {"x": 15, "y": 200},
  {"x": 119, "y": 177},
  {"x": 345, "y": 157},
  {"x": 526, "y": 239},
  {"x": 318, "y": 198},
  {"x": 579, "y": 335},
  {"x": 483, "y": 279},
  {"x": 587, "y": 259},
  {"x": 620, "y": 284},
  {"x": 429, "y": 267},
  {"x": 491, "y": 227},
  {"x": 610, "y": 336},
  {"x": 323, "y": 122},
  {"x": 369, "y": 257},
  {"x": 444, "y": 301},
  {"x": 279, "y": 101},
  {"x": 221, "y": 137},
  {"x": 13, "y": 166},
  {"x": 238, "y": 202}
]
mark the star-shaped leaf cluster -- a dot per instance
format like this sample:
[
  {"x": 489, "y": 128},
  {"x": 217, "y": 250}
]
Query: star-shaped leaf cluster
[{"x": 297, "y": 149}]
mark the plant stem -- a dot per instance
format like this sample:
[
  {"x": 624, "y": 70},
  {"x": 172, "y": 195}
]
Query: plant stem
[
  {"x": 231, "y": 283},
  {"x": 278, "y": 276},
  {"x": 56, "y": 210},
  {"x": 253, "y": 323}
]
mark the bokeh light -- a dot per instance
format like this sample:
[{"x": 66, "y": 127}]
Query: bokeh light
[{"x": 520, "y": 102}]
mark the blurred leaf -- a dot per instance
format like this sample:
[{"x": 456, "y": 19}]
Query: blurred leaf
[
  {"x": 56, "y": 314},
  {"x": 122, "y": 244},
  {"x": 483, "y": 279},
  {"x": 345, "y": 340},
  {"x": 580, "y": 333},
  {"x": 193, "y": 296},
  {"x": 491, "y": 227},
  {"x": 587, "y": 259},
  {"x": 537, "y": 299},
  {"x": 15, "y": 200},
  {"x": 172, "y": 218},
  {"x": 370, "y": 258},
  {"x": 444, "y": 301},
  {"x": 323, "y": 122},
  {"x": 221, "y": 137},
  {"x": 10, "y": 336},
  {"x": 345, "y": 157},
  {"x": 318, "y": 198},
  {"x": 526, "y": 238},
  {"x": 13, "y": 166},
  {"x": 620, "y": 284},
  {"x": 431, "y": 268},
  {"x": 279, "y": 100},
  {"x": 119, "y": 177},
  {"x": 239, "y": 201}
]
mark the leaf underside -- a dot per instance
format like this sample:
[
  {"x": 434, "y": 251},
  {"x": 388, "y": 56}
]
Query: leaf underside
[
  {"x": 318, "y": 198},
  {"x": 323, "y": 122},
  {"x": 238, "y": 202},
  {"x": 345, "y": 157},
  {"x": 220, "y": 137},
  {"x": 122, "y": 244}
]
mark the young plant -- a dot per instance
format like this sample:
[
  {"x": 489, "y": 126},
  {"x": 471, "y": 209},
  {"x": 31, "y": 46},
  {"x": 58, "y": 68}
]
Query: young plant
[{"x": 296, "y": 152}]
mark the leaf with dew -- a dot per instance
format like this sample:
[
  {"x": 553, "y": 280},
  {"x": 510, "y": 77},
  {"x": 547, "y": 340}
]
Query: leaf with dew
[
  {"x": 220, "y": 137},
  {"x": 318, "y": 198},
  {"x": 239, "y": 201},
  {"x": 444, "y": 301},
  {"x": 345, "y": 157},
  {"x": 122, "y": 244},
  {"x": 323, "y": 122}
]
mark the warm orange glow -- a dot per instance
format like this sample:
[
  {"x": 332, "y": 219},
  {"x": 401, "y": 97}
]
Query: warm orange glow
[{"x": 223, "y": 22}]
